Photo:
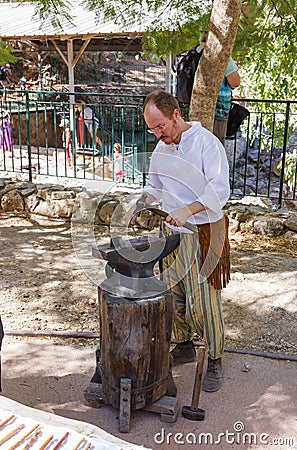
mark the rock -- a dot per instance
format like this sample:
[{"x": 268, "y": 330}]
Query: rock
[
  {"x": 63, "y": 208},
  {"x": 290, "y": 235},
  {"x": 44, "y": 209},
  {"x": 28, "y": 191},
  {"x": 291, "y": 222},
  {"x": 31, "y": 202},
  {"x": 62, "y": 195},
  {"x": 269, "y": 226},
  {"x": 12, "y": 201},
  {"x": 234, "y": 226},
  {"x": 246, "y": 368},
  {"x": 106, "y": 211},
  {"x": 7, "y": 188},
  {"x": 237, "y": 276}
]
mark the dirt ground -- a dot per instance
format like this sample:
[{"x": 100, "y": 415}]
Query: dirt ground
[{"x": 44, "y": 287}]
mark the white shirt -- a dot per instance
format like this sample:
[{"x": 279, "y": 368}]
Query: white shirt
[
  {"x": 194, "y": 170},
  {"x": 88, "y": 115}
]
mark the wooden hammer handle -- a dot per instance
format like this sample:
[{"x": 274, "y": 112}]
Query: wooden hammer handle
[{"x": 198, "y": 378}]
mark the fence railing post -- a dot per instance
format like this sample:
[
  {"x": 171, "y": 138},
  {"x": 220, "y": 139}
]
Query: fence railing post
[
  {"x": 28, "y": 135},
  {"x": 282, "y": 175}
]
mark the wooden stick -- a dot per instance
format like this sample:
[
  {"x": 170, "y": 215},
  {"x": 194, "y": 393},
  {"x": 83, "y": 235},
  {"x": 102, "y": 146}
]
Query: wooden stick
[
  {"x": 43, "y": 447},
  {"x": 23, "y": 438},
  {"x": 79, "y": 444},
  {"x": 61, "y": 441},
  {"x": 6, "y": 421},
  {"x": 32, "y": 440},
  {"x": 12, "y": 433},
  {"x": 88, "y": 446}
]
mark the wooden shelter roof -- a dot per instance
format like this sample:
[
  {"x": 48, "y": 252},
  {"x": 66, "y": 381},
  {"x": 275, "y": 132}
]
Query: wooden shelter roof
[{"x": 20, "y": 22}]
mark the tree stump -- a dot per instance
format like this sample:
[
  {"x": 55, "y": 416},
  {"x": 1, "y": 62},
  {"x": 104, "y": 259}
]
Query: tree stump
[{"x": 134, "y": 344}]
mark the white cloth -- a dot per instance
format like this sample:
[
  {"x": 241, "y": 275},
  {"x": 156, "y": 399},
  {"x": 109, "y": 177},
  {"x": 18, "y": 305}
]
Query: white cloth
[
  {"x": 56, "y": 426},
  {"x": 194, "y": 170},
  {"x": 90, "y": 119}
]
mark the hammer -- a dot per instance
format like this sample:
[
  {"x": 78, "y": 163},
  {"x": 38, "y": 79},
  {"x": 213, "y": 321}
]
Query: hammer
[{"x": 193, "y": 412}]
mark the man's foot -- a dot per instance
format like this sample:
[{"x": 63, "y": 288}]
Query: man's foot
[
  {"x": 213, "y": 378},
  {"x": 183, "y": 352}
]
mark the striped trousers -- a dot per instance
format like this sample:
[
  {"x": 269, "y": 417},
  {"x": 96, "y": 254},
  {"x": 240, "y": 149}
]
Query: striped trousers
[{"x": 198, "y": 303}]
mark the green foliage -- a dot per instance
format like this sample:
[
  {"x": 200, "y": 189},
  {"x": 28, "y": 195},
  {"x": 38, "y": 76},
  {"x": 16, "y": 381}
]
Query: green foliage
[
  {"x": 266, "y": 48},
  {"x": 56, "y": 11},
  {"x": 163, "y": 42},
  {"x": 6, "y": 53}
]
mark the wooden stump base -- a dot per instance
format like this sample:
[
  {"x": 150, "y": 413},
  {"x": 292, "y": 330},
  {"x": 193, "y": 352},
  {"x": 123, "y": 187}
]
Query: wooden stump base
[
  {"x": 133, "y": 362},
  {"x": 166, "y": 406}
]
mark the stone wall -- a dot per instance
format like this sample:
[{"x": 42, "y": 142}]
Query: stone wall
[
  {"x": 54, "y": 201},
  {"x": 44, "y": 136}
]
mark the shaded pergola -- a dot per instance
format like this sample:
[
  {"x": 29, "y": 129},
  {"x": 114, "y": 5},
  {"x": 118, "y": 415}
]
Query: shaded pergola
[{"x": 19, "y": 22}]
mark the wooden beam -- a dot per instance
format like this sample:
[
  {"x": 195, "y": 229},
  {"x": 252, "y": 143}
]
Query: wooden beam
[
  {"x": 59, "y": 51},
  {"x": 81, "y": 51}
]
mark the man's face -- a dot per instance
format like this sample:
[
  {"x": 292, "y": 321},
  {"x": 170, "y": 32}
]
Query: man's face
[{"x": 165, "y": 129}]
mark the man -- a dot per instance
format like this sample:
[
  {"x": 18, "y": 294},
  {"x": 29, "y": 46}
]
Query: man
[
  {"x": 5, "y": 76},
  {"x": 230, "y": 81},
  {"x": 90, "y": 120},
  {"x": 189, "y": 173}
]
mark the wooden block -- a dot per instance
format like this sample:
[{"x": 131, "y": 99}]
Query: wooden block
[
  {"x": 165, "y": 405},
  {"x": 169, "y": 418},
  {"x": 125, "y": 405}
]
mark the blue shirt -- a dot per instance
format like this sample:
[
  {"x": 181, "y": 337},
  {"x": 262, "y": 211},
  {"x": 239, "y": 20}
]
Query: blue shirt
[{"x": 225, "y": 94}]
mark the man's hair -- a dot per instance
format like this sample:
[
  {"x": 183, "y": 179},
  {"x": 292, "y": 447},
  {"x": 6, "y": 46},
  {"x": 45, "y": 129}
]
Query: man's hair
[{"x": 164, "y": 101}]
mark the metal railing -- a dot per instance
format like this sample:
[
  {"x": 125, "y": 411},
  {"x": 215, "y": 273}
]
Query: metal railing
[
  {"x": 82, "y": 147},
  {"x": 262, "y": 155}
]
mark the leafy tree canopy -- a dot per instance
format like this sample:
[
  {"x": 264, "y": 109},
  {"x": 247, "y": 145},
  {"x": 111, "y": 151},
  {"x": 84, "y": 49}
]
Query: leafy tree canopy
[
  {"x": 6, "y": 53},
  {"x": 265, "y": 46}
]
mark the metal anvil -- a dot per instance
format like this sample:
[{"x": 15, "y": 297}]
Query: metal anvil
[{"x": 130, "y": 264}]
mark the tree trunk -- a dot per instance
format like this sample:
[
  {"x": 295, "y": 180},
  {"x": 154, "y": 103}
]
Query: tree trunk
[
  {"x": 213, "y": 63},
  {"x": 134, "y": 344}
]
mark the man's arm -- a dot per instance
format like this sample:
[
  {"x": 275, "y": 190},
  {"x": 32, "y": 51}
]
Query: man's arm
[
  {"x": 233, "y": 79},
  {"x": 178, "y": 217}
]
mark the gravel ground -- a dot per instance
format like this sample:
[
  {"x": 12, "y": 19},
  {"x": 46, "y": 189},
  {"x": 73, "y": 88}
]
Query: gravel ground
[{"x": 44, "y": 287}]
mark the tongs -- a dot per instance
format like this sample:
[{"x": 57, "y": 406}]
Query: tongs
[{"x": 141, "y": 205}]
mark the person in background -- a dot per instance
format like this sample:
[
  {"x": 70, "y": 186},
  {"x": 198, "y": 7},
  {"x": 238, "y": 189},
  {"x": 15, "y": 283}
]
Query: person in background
[
  {"x": 23, "y": 83},
  {"x": 189, "y": 173},
  {"x": 231, "y": 81},
  {"x": 90, "y": 120},
  {"x": 66, "y": 139},
  {"x": 5, "y": 131},
  {"x": 119, "y": 161},
  {"x": 5, "y": 76}
]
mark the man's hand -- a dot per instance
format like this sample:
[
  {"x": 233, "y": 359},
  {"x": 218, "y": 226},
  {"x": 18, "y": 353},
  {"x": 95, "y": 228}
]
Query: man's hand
[
  {"x": 133, "y": 212},
  {"x": 178, "y": 217}
]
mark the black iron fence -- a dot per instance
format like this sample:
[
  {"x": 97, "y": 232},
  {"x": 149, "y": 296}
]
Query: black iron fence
[
  {"x": 44, "y": 133},
  {"x": 263, "y": 154},
  {"x": 116, "y": 74}
]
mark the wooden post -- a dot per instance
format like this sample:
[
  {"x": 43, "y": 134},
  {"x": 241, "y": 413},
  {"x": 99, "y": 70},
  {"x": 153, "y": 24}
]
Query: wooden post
[{"x": 134, "y": 344}]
